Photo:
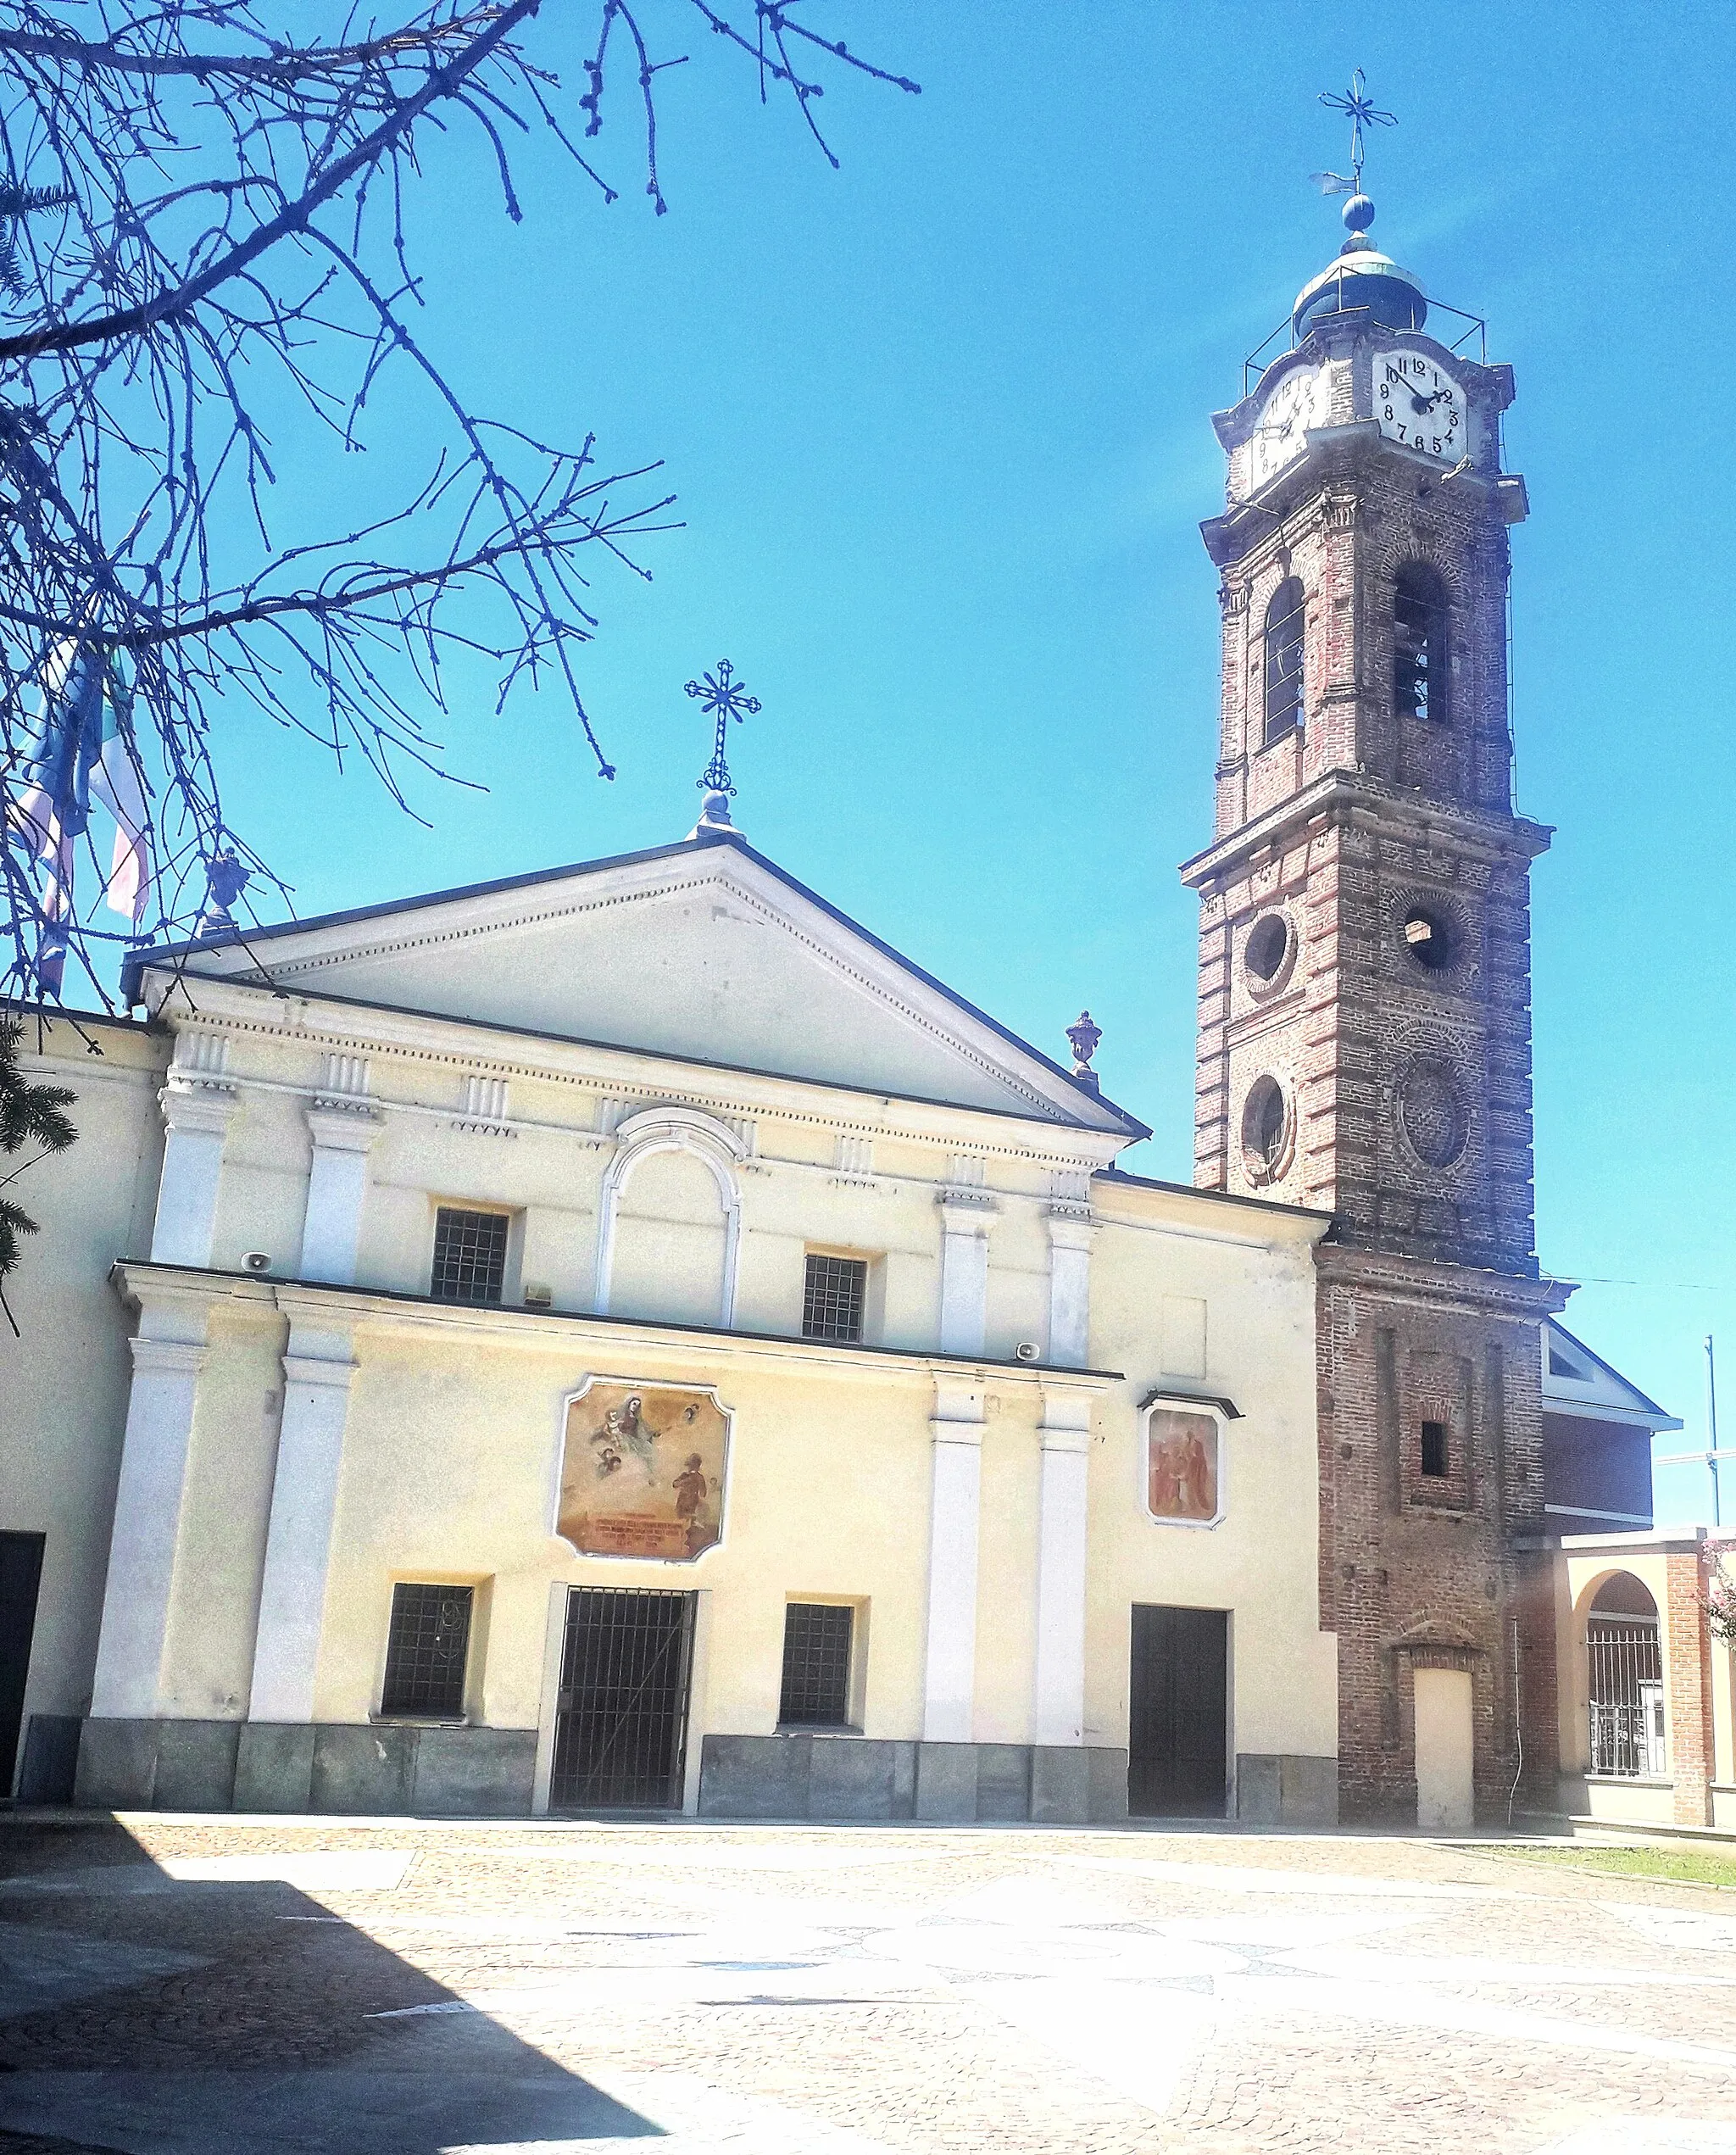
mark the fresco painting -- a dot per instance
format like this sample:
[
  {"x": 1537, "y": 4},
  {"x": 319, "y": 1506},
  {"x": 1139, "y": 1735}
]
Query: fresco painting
[
  {"x": 1181, "y": 1465},
  {"x": 643, "y": 1472}
]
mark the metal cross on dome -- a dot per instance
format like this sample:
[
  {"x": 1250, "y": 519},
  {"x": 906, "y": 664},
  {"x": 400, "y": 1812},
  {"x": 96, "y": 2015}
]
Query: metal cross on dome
[
  {"x": 1364, "y": 113},
  {"x": 724, "y": 696}
]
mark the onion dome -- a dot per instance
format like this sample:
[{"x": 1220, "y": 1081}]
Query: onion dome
[{"x": 1361, "y": 278}]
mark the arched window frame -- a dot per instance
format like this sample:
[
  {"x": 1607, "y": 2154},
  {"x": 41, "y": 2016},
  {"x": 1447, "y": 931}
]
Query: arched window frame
[
  {"x": 674, "y": 1129},
  {"x": 1423, "y": 610},
  {"x": 1285, "y": 660}
]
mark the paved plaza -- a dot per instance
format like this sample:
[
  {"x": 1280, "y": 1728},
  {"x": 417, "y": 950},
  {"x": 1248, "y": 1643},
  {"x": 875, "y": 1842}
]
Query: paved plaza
[{"x": 181, "y": 1986}]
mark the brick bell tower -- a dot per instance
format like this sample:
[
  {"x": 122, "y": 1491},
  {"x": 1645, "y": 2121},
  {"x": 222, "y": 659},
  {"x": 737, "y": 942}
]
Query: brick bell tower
[{"x": 1364, "y": 1030}]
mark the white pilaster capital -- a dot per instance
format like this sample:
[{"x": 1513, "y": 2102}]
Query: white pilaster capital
[
  {"x": 960, "y": 1410},
  {"x": 966, "y": 1212},
  {"x": 199, "y": 1104},
  {"x": 344, "y": 1126},
  {"x": 1070, "y": 1227},
  {"x": 169, "y": 1357},
  {"x": 1066, "y": 1418},
  {"x": 315, "y": 1369}
]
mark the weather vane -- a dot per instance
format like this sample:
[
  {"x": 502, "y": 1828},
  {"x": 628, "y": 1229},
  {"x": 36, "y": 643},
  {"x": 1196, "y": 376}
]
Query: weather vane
[
  {"x": 1364, "y": 113},
  {"x": 724, "y": 696}
]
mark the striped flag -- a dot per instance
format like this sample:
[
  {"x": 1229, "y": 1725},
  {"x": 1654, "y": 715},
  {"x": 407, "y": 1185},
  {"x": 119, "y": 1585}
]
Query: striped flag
[{"x": 83, "y": 750}]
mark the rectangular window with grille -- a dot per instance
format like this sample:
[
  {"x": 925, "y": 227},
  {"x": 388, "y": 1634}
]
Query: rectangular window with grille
[
  {"x": 816, "y": 1665},
  {"x": 470, "y": 1256},
  {"x": 833, "y": 1295},
  {"x": 425, "y": 1651}
]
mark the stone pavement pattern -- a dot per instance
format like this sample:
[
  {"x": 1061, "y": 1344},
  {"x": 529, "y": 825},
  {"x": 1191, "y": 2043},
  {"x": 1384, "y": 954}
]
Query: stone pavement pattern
[{"x": 179, "y": 1987}]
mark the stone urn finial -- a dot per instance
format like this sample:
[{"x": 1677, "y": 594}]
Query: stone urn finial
[{"x": 1084, "y": 1037}]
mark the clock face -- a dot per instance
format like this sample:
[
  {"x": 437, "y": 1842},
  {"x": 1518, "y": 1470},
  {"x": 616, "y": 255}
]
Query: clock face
[
  {"x": 1301, "y": 400},
  {"x": 1419, "y": 404}
]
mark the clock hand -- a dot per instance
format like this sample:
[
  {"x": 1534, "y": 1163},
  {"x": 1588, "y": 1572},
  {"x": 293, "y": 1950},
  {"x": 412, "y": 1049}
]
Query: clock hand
[{"x": 1417, "y": 404}]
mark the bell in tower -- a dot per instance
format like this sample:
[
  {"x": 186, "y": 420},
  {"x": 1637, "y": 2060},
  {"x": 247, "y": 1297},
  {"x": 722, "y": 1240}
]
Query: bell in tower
[{"x": 1364, "y": 1011}]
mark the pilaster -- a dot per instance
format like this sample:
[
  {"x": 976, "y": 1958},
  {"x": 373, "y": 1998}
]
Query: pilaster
[
  {"x": 1069, "y": 1236},
  {"x": 147, "y": 1506},
  {"x": 196, "y": 1113},
  {"x": 1065, "y": 1439},
  {"x": 317, "y": 1370},
  {"x": 949, "y": 1677},
  {"x": 966, "y": 1216},
  {"x": 343, "y": 1133}
]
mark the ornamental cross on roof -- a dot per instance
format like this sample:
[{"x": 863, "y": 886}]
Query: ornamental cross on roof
[
  {"x": 725, "y": 696},
  {"x": 1364, "y": 113}
]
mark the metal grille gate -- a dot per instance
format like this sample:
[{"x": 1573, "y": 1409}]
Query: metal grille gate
[
  {"x": 621, "y": 1733},
  {"x": 1627, "y": 1695}
]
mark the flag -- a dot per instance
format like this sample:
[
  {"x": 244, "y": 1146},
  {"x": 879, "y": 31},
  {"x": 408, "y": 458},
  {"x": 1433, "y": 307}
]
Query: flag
[{"x": 83, "y": 747}]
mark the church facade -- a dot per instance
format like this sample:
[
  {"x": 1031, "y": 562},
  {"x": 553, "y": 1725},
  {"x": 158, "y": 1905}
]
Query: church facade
[
  {"x": 623, "y": 1337},
  {"x": 538, "y": 1396}
]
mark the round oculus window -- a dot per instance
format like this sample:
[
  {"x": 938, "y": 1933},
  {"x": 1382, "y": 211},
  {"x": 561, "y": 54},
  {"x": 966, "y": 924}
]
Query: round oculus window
[
  {"x": 1266, "y": 1132},
  {"x": 1430, "y": 938},
  {"x": 1432, "y": 1112},
  {"x": 1267, "y": 947}
]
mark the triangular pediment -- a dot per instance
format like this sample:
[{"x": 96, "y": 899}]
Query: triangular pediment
[{"x": 705, "y": 951}]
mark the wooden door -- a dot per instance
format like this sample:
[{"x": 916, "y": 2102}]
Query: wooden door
[{"x": 1178, "y": 1719}]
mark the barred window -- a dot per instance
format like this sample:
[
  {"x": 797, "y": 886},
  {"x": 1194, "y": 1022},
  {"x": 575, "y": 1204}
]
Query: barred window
[
  {"x": 816, "y": 1665},
  {"x": 832, "y": 1297},
  {"x": 1285, "y": 633},
  {"x": 470, "y": 1256},
  {"x": 425, "y": 1651}
]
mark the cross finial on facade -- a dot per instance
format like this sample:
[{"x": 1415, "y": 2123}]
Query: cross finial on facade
[
  {"x": 723, "y": 696},
  {"x": 1364, "y": 113}
]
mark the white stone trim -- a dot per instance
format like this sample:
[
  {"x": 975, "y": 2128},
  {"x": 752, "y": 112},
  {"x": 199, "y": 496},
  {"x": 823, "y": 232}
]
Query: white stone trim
[
  {"x": 1070, "y": 1237},
  {"x": 633, "y": 1075},
  {"x": 1064, "y": 1437},
  {"x": 950, "y": 1669},
  {"x": 196, "y": 1115},
  {"x": 337, "y": 1184},
  {"x": 299, "y": 1537},
  {"x": 964, "y": 1271},
  {"x": 141, "y": 1551},
  {"x": 672, "y": 1129}
]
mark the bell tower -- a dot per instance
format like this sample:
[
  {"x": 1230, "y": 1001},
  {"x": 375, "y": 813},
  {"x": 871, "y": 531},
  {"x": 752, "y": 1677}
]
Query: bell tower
[{"x": 1364, "y": 1014}]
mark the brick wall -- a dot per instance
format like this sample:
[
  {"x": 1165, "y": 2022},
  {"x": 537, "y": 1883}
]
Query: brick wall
[
  {"x": 1688, "y": 1687},
  {"x": 1405, "y": 1061},
  {"x": 1420, "y": 1571}
]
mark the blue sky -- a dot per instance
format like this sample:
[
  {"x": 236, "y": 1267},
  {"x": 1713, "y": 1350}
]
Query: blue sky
[{"x": 939, "y": 426}]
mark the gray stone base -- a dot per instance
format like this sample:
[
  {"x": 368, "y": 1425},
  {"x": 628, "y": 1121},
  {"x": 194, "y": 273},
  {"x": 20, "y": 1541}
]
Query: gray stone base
[
  {"x": 1286, "y": 1790},
  {"x": 50, "y": 1765},
  {"x": 861, "y": 1778},
  {"x": 379, "y": 1769}
]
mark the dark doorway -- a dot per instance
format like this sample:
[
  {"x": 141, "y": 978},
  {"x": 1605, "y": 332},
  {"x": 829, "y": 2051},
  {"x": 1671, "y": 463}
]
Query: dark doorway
[
  {"x": 621, "y": 1733},
  {"x": 21, "y": 1574},
  {"x": 1178, "y": 1722}
]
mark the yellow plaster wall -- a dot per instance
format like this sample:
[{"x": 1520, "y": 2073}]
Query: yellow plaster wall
[
  {"x": 1158, "y": 1255},
  {"x": 449, "y": 1470},
  {"x": 63, "y": 1381}
]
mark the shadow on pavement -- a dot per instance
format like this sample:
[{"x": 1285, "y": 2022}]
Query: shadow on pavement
[{"x": 212, "y": 2006}]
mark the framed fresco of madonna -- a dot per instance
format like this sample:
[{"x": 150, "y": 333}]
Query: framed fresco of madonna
[
  {"x": 1182, "y": 1464},
  {"x": 643, "y": 1470}
]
